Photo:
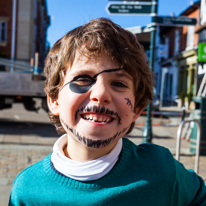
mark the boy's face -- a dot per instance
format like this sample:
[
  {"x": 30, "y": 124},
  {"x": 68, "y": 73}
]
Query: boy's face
[{"x": 96, "y": 102}]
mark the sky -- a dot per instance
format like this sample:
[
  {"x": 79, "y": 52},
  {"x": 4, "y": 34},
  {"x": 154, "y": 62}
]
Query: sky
[{"x": 68, "y": 14}]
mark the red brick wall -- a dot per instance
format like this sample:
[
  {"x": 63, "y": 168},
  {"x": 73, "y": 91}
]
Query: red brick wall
[
  {"x": 183, "y": 40},
  {"x": 196, "y": 14}
]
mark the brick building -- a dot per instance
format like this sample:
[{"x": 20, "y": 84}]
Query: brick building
[
  {"x": 5, "y": 28},
  {"x": 179, "y": 68},
  {"x": 23, "y": 29}
]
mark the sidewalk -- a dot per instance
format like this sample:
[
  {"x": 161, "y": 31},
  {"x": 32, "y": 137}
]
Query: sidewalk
[{"x": 18, "y": 151}]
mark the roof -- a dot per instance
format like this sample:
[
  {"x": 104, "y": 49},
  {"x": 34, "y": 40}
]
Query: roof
[{"x": 190, "y": 9}]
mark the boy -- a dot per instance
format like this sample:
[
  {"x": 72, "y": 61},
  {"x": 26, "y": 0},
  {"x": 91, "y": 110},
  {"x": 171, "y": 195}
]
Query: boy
[{"x": 97, "y": 83}]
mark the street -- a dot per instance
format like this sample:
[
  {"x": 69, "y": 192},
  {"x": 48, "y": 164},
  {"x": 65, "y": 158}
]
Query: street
[{"x": 27, "y": 137}]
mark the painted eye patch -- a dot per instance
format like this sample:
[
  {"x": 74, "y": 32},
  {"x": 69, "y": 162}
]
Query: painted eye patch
[{"x": 82, "y": 83}]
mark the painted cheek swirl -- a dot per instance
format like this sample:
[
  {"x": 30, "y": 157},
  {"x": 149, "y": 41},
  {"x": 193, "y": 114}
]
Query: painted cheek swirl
[
  {"x": 129, "y": 103},
  {"x": 82, "y": 83}
]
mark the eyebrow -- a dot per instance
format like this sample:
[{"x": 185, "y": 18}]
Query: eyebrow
[
  {"x": 83, "y": 72},
  {"x": 107, "y": 70},
  {"x": 124, "y": 74}
]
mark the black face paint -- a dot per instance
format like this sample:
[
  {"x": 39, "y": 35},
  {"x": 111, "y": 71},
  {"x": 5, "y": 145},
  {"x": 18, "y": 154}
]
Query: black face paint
[
  {"x": 107, "y": 70},
  {"x": 82, "y": 83},
  {"x": 95, "y": 143},
  {"x": 100, "y": 110},
  {"x": 129, "y": 103}
]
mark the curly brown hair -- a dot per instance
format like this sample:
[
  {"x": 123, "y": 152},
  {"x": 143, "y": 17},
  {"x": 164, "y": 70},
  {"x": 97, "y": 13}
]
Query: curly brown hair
[{"x": 93, "y": 39}]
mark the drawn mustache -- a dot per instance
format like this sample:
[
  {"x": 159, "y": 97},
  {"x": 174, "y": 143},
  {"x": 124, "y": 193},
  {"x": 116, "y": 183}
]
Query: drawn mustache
[{"x": 100, "y": 110}]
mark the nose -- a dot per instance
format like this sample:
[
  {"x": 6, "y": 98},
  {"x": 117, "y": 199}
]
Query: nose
[{"x": 101, "y": 93}]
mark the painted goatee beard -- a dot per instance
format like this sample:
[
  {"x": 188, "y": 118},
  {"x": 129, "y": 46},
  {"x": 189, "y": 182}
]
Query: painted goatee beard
[{"x": 94, "y": 143}]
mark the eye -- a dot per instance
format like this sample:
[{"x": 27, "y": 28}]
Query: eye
[
  {"x": 83, "y": 81},
  {"x": 119, "y": 84}
]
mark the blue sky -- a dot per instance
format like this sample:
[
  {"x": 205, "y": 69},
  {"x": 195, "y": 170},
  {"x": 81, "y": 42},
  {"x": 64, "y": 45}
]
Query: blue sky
[{"x": 69, "y": 14}]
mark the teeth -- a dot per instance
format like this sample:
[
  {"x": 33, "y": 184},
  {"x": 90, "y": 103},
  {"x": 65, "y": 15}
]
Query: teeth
[
  {"x": 93, "y": 118},
  {"x": 104, "y": 119}
]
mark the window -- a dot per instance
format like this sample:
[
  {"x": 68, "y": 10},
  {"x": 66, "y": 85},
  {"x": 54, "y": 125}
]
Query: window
[{"x": 3, "y": 28}]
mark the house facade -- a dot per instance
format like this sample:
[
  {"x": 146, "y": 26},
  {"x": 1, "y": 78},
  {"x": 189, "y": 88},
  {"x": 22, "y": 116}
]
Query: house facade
[
  {"x": 181, "y": 66},
  {"x": 201, "y": 31}
]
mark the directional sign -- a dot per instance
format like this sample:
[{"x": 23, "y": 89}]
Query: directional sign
[
  {"x": 174, "y": 21},
  {"x": 133, "y": 0},
  {"x": 129, "y": 9}
]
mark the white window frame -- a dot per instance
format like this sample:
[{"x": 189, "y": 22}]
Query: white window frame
[{"x": 5, "y": 31}]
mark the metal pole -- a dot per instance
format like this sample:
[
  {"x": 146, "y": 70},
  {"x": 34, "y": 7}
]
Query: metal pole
[
  {"x": 147, "y": 133},
  {"x": 13, "y": 33},
  {"x": 178, "y": 144},
  {"x": 164, "y": 71}
]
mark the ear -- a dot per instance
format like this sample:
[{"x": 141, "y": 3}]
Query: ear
[
  {"x": 53, "y": 106},
  {"x": 137, "y": 113}
]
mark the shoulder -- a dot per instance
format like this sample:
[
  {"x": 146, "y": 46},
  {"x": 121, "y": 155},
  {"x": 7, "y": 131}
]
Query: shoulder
[
  {"x": 31, "y": 171},
  {"x": 150, "y": 157},
  {"x": 30, "y": 176},
  {"x": 158, "y": 165},
  {"x": 27, "y": 182},
  {"x": 147, "y": 150}
]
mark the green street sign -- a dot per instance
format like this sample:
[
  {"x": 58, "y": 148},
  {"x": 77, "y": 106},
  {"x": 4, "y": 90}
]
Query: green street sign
[
  {"x": 129, "y": 9},
  {"x": 202, "y": 52},
  {"x": 133, "y": 0},
  {"x": 174, "y": 21}
]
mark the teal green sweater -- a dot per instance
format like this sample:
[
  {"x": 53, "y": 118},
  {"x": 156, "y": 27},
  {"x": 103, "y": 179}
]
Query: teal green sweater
[{"x": 145, "y": 175}]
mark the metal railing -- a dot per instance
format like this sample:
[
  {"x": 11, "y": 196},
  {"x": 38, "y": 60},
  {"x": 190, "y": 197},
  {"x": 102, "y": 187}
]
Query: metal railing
[
  {"x": 178, "y": 145},
  {"x": 17, "y": 65}
]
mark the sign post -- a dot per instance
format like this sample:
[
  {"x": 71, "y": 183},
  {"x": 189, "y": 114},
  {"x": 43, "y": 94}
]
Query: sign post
[{"x": 147, "y": 132}]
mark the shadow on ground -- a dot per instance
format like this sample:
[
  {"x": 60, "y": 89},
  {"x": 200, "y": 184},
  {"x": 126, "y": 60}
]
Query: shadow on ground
[{"x": 27, "y": 128}]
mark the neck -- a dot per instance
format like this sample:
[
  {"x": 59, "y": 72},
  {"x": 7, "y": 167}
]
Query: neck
[{"x": 81, "y": 153}]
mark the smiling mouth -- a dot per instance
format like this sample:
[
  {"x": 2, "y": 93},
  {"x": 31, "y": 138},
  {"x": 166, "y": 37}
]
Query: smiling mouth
[{"x": 97, "y": 118}]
